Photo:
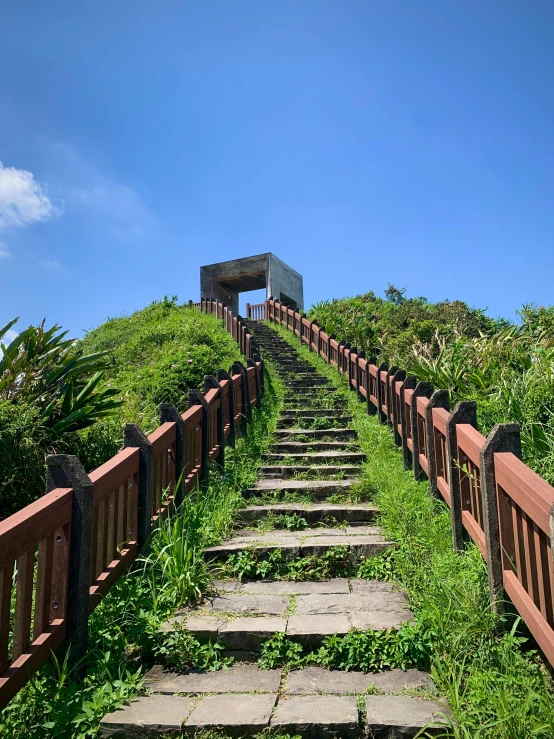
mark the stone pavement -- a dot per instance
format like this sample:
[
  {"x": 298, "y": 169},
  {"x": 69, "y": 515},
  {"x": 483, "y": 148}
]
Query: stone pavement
[{"x": 310, "y": 473}]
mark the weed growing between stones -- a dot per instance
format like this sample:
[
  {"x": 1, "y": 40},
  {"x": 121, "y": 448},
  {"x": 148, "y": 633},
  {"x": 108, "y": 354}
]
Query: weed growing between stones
[
  {"x": 124, "y": 629},
  {"x": 368, "y": 651},
  {"x": 179, "y": 650},
  {"x": 251, "y": 564},
  {"x": 290, "y": 521},
  {"x": 489, "y": 671}
]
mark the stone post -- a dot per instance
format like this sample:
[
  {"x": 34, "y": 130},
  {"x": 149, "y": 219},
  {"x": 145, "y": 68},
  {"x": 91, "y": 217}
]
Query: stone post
[
  {"x": 391, "y": 372},
  {"x": 422, "y": 390},
  {"x": 464, "y": 412},
  {"x": 405, "y": 423},
  {"x": 134, "y": 437},
  {"x": 65, "y": 471},
  {"x": 168, "y": 412},
  {"x": 504, "y": 437},
  {"x": 439, "y": 399},
  {"x": 196, "y": 398}
]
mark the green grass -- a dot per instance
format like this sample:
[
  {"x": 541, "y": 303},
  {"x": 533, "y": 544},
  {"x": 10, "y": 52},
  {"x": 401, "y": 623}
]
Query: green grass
[
  {"x": 493, "y": 678},
  {"x": 124, "y": 629},
  {"x": 158, "y": 353}
]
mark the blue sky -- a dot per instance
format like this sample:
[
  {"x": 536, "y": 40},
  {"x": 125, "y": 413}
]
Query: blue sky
[{"x": 363, "y": 142}]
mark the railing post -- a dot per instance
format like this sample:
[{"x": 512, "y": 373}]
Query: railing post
[
  {"x": 209, "y": 383},
  {"x": 464, "y": 412},
  {"x": 252, "y": 363},
  {"x": 196, "y": 398},
  {"x": 353, "y": 367},
  {"x": 360, "y": 355},
  {"x": 381, "y": 417},
  {"x": 168, "y": 412},
  {"x": 239, "y": 368},
  {"x": 504, "y": 437},
  {"x": 400, "y": 375},
  {"x": 257, "y": 358},
  {"x": 422, "y": 390},
  {"x": 65, "y": 471},
  {"x": 439, "y": 399},
  {"x": 340, "y": 357},
  {"x": 370, "y": 409},
  {"x": 390, "y": 373},
  {"x": 331, "y": 336},
  {"x": 222, "y": 375},
  {"x": 409, "y": 384},
  {"x": 248, "y": 310},
  {"x": 133, "y": 436}
]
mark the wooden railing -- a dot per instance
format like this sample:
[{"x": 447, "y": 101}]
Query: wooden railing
[
  {"x": 495, "y": 500},
  {"x": 255, "y": 312},
  {"x": 63, "y": 553}
]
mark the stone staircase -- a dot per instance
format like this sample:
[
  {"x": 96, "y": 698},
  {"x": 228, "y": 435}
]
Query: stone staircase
[{"x": 311, "y": 472}]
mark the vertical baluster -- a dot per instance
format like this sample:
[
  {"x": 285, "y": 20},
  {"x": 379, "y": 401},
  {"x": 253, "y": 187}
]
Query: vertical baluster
[{"x": 44, "y": 585}]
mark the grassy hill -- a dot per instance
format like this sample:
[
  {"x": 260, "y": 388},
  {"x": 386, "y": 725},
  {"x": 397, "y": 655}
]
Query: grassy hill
[
  {"x": 507, "y": 368},
  {"x": 154, "y": 355}
]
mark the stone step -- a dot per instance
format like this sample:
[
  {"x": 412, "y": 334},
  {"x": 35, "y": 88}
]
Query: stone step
[
  {"x": 360, "y": 541},
  {"x": 313, "y": 513},
  {"x": 237, "y": 614},
  {"x": 297, "y": 447},
  {"x": 294, "y": 413},
  {"x": 334, "y": 421},
  {"x": 326, "y": 457},
  {"x": 312, "y": 471},
  {"x": 318, "y": 489},
  {"x": 332, "y": 433},
  {"x": 311, "y": 702}
]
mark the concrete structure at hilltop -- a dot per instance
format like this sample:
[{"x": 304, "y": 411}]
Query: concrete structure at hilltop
[{"x": 225, "y": 280}]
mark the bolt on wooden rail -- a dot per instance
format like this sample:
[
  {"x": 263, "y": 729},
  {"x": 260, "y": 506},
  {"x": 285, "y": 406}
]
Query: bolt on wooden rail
[{"x": 86, "y": 532}]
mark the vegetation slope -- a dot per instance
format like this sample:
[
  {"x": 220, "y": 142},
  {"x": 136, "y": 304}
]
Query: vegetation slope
[
  {"x": 58, "y": 395},
  {"x": 508, "y": 368}
]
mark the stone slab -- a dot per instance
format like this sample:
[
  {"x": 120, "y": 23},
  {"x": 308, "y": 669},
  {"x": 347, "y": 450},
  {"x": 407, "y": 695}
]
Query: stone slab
[
  {"x": 302, "y": 486},
  {"x": 318, "y": 716},
  {"x": 379, "y": 620},
  {"x": 149, "y": 716},
  {"x": 398, "y": 716},
  {"x": 239, "y": 678},
  {"x": 203, "y": 628},
  {"x": 271, "y": 605},
  {"x": 315, "y": 603},
  {"x": 360, "y": 585},
  {"x": 362, "y": 545},
  {"x": 247, "y": 633},
  {"x": 290, "y": 547},
  {"x": 318, "y": 681},
  {"x": 314, "y": 512},
  {"x": 285, "y": 587},
  {"x": 310, "y": 630},
  {"x": 237, "y": 715},
  {"x": 226, "y": 586}
]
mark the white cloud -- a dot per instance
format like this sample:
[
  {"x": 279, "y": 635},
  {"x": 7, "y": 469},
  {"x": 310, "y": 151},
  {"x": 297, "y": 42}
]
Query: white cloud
[
  {"x": 4, "y": 251},
  {"x": 22, "y": 199},
  {"x": 9, "y": 336},
  {"x": 52, "y": 265}
]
